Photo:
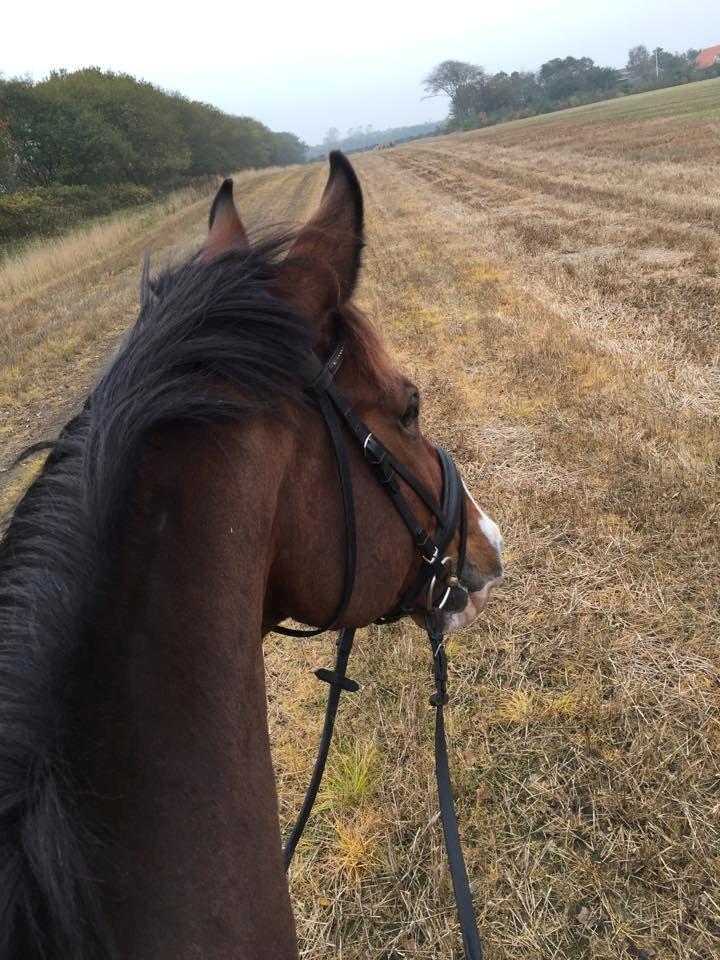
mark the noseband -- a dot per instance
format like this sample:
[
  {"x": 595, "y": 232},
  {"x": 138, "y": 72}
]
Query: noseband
[{"x": 435, "y": 573}]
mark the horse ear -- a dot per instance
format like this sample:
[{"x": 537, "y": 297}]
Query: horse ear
[
  {"x": 322, "y": 265},
  {"x": 226, "y": 229}
]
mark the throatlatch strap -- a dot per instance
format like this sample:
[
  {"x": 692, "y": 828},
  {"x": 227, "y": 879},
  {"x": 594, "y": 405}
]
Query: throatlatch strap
[{"x": 338, "y": 681}]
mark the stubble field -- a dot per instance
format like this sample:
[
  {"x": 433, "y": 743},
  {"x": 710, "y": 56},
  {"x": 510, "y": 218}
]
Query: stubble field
[{"x": 553, "y": 286}]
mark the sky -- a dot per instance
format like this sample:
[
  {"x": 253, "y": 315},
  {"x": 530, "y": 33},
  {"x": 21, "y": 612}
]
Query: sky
[{"x": 307, "y": 66}]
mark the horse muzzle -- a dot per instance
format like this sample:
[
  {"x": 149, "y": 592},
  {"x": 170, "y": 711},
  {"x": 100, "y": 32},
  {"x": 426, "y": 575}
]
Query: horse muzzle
[
  {"x": 458, "y": 616},
  {"x": 468, "y": 600}
]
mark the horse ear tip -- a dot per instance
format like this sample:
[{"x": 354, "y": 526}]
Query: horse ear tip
[
  {"x": 341, "y": 167},
  {"x": 338, "y": 161},
  {"x": 223, "y": 200}
]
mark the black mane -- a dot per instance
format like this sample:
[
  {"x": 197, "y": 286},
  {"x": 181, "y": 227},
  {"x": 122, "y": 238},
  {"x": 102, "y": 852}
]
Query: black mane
[{"x": 199, "y": 325}]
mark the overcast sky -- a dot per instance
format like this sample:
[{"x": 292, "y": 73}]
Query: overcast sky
[{"x": 307, "y": 66}]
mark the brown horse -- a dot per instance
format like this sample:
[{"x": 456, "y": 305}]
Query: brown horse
[{"x": 191, "y": 506}]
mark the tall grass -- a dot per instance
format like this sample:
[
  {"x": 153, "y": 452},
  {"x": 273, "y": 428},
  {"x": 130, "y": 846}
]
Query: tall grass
[{"x": 29, "y": 267}]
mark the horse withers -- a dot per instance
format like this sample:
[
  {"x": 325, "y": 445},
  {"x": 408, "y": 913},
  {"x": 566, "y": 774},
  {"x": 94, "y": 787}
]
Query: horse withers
[{"x": 191, "y": 506}]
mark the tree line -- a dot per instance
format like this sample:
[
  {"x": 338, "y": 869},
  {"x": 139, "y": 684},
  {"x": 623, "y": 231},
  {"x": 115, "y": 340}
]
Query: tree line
[
  {"x": 97, "y": 127},
  {"x": 92, "y": 140},
  {"x": 478, "y": 98},
  {"x": 365, "y": 138}
]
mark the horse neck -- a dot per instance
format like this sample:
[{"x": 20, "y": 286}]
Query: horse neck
[{"x": 180, "y": 769}]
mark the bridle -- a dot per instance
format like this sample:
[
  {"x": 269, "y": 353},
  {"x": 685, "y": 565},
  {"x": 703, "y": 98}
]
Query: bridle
[
  {"x": 451, "y": 516},
  {"x": 435, "y": 574}
]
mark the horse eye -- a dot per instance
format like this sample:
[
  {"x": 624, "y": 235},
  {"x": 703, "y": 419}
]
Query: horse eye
[{"x": 412, "y": 412}]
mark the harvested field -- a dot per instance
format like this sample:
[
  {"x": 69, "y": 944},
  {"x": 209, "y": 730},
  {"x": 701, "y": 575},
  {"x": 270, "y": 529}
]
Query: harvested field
[
  {"x": 553, "y": 285},
  {"x": 64, "y": 304}
]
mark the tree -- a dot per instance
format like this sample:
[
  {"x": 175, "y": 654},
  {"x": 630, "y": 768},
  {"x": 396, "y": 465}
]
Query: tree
[
  {"x": 331, "y": 138},
  {"x": 456, "y": 80},
  {"x": 639, "y": 67},
  {"x": 451, "y": 76},
  {"x": 52, "y": 140},
  {"x": 146, "y": 118},
  {"x": 95, "y": 127},
  {"x": 5, "y": 165},
  {"x": 287, "y": 148},
  {"x": 566, "y": 77}
]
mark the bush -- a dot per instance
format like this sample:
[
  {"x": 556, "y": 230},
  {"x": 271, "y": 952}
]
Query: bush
[{"x": 48, "y": 210}]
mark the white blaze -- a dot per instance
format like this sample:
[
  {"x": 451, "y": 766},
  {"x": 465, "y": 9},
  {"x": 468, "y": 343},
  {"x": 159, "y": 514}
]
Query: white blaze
[
  {"x": 476, "y": 601},
  {"x": 488, "y": 527}
]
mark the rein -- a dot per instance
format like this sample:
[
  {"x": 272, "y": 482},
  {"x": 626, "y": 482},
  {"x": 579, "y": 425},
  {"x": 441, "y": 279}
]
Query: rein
[{"x": 435, "y": 572}]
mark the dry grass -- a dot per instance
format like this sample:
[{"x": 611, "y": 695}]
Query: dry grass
[
  {"x": 553, "y": 287},
  {"x": 559, "y": 308},
  {"x": 43, "y": 260},
  {"x": 66, "y": 302}
]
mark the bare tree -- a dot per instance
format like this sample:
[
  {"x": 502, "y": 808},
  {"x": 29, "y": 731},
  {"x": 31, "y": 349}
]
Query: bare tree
[
  {"x": 454, "y": 78},
  {"x": 639, "y": 64},
  {"x": 451, "y": 76},
  {"x": 332, "y": 137}
]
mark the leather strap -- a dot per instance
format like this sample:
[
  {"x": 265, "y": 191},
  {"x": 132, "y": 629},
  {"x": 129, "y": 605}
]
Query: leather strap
[
  {"x": 335, "y": 411},
  {"x": 338, "y": 682},
  {"x": 453, "y": 510},
  {"x": 451, "y": 518},
  {"x": 453, "y": 847}
]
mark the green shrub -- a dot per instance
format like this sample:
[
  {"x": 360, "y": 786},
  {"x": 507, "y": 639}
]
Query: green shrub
[{"x": 49, "y": 210}]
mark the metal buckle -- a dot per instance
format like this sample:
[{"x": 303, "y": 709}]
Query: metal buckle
[
  {"x": 431, "y": 588},
  {"x": 371, "y": 455},
  {"x": 431, "y": 560}
]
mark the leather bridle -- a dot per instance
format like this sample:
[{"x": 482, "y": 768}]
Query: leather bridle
[
  {"x": 451, "y": 516},
  {"x": 434, "y": 574}
]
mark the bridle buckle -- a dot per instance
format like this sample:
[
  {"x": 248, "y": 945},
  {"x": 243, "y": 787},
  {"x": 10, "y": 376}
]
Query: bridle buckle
[
  {"x": 371, "y": 453},
  {"x": 433, "y": 559}
]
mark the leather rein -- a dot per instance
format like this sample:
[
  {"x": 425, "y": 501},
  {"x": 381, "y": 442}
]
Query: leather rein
[{"x": 435, "y": 573}]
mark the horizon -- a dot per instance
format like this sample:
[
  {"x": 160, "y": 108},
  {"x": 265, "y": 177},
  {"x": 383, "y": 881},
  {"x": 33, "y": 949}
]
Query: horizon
[{"x": 377, "y": 81}]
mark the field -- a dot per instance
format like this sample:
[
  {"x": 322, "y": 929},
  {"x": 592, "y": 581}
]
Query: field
[{"x": 554, "y": 287}]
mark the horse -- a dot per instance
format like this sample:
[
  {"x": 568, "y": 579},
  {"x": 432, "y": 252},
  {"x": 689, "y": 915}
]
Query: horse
[{"x": 190, "y": 507}]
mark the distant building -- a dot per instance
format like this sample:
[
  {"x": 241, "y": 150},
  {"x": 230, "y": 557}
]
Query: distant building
[{"x": 708, "y": 57}]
